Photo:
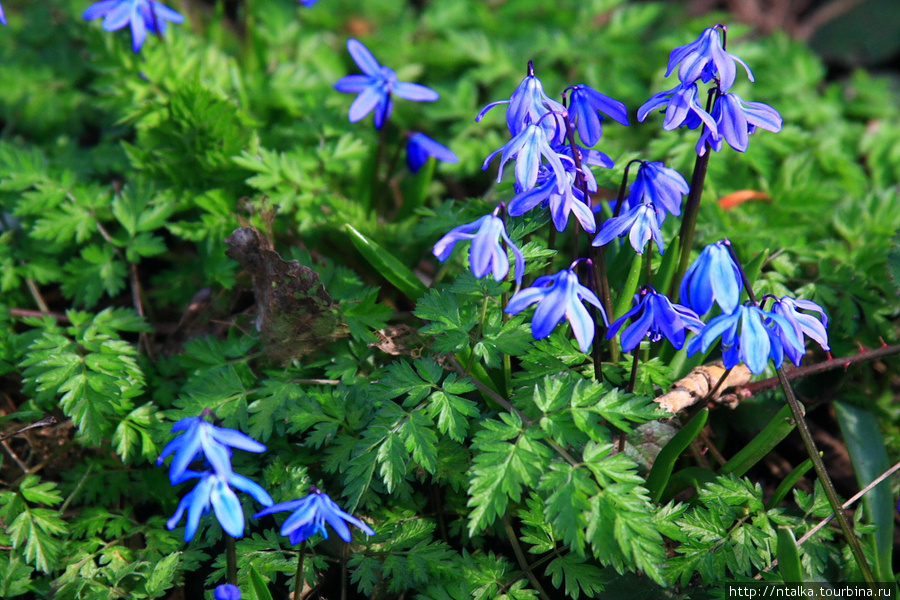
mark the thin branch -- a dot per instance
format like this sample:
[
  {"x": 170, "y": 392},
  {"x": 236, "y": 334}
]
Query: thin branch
[{"x": 520, "y": 556}]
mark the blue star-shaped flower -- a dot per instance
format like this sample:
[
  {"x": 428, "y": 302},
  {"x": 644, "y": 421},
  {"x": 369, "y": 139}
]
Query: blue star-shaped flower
[
  {"x": 486, "y": 254},
  {"x": 420, "y": 147},
  {"x": 750, "y": 335},
  {"x": 682, "y": 106},
  {"x": 213, "y": 490},
  {"x": 585, "y": 103},
  {"x": 310, "y": 515},
  {"x": 712, "y": 277},
  {"x": 802, "y": 323},
  {"x": 376, "y": 87},
  {"x": 735, "y": 121},
  {"x": 640, "y": 223},
  {"x": 143, "y": 15},
  {"x": 662, "y": 186},
  {"x": 559, "y": 298},
  {"x": 561, "y": 203},
  {"x": 705, "y": 58},
  {"x": 227, "y": 591},
  {"x": 202, "y": 437},
  {"x": 529, "y": 105},
  {"x": 655, "y": 316},
  {"x": 527, "y": 147}
]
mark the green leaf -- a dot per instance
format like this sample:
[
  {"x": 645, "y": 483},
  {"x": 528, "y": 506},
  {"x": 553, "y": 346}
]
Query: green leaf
[
  {"x": 41, "y": 493},
  {"x": 869, "y": 456},
  {"x": 776, "y": 430},
  {"x": 36, "y": 529},
  {"x": 665, "y": 460},
  {"x": 568, "y": 503},
  {"x": 258, "y": 588},
  {"x": 163, "y": 575},
  {"x": 787, "y": 484},
  {"x": 789, "y": 557},
  {"x": 387, "y": 265},
  {"x": 507, "y": 459},
  {"x": 580, "y": 576}
]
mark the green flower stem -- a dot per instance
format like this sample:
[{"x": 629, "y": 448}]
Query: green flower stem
[
  {"x": 230, "y": 560},
  {"x": 298, "y": 578},
  {"x": 507, "y": 360},
  {"x": 819, "y": 466},
  {"x": 799, "y": 415}
]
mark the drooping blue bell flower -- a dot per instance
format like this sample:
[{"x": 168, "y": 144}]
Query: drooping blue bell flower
[
  {"x": 654, "y": 316},
  {"x": 486, "y": 254},
  {"x": 559, "y": 298},
  {"x": 309, "y": 516},
  {"x": 712, "y": 277},
  {"x": 142, "y": 15},
  {"x": 750, "y": 335}
]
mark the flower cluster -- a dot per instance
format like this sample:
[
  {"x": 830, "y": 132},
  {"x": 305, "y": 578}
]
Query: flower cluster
[
  {"x": 203, "y": 441},
  {"x": 212, "y": 445},
  {"x": 731, "y": 118},
  {"x": 749, "y": 333},
  {"x": 551, "y": 171}
]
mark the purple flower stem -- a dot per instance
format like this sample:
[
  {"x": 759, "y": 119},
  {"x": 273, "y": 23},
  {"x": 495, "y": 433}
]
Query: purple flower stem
[
  {"x": 230, "y": 560},
  {"x": 599, "y": 281},
  {"x": 621, "y": 197},
  {"x": 298, "y": 578},
  {"x": 692, "y": 207},
  {"x": 799, "y": 414},
  {"x": 648, "y": 279}
]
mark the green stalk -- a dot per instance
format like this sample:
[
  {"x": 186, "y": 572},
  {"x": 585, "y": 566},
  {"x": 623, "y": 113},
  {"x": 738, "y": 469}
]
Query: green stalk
[
  {"x": 799, "y": 415},
  {"x": 828, "y": 486}
]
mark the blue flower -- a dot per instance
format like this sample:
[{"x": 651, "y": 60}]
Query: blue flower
[
  {"x": 227, "y": 591},
  {"x": 486, "y": 254},
  {"x": 529, "y": 105},
  {"x": 802, "y": 323},
  {"x": 2, "y": 16},
  {"x": 655, "y": 316},
  {"x": 569, "y": 201},
  {"x": 585, "y": 102},
  {"x": 559, "y": 297},
  {"x": 750, "y": 335},
  {"x": 735, "y": 121},
  {"x": 640, "y": 223},
  {"x": 202, "y": 437},
  {"x": 306, "y": 3},
  {"x": 143, "y": 16},
  {"x": 376, "y": 86},
  {"x": 527, "y": 147},
  {"x": 712, "y": 277},
  {"x": 213, "y": 490},
  {"x": 682, "y": 105},
  {"x": 310, "y": 515},
  {"x": 420, "y": 147},
  {"x": 704, "y": 58},
  {"x": 660, "y": 185}
]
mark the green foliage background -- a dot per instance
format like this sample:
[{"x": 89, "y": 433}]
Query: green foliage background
[{"x": 121, "y": 175}]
